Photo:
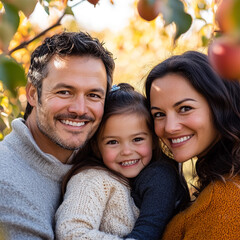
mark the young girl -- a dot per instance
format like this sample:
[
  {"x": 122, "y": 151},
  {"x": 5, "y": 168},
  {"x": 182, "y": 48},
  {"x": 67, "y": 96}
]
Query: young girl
[
  {"x": 200, "y": 117},
  {"x": 124, "y": 151}
]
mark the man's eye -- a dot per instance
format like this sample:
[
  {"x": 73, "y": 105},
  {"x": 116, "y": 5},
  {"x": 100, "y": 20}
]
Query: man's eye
[
  {"x": 64, "y": 92},
  {"x": 94, "y": 95}
]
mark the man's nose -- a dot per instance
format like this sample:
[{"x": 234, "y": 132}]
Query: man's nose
[{"x": 78, "y": 106}]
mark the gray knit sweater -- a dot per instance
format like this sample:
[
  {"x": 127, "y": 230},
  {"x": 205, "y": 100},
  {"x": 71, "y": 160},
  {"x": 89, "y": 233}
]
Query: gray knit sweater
[{"x": 30, "y": 182}]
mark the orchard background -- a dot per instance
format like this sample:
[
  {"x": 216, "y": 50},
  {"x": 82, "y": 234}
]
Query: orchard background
[{"x": 153, "y": 30}]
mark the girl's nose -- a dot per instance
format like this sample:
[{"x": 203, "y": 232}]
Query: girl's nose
[{"x": 126, "y": 149}]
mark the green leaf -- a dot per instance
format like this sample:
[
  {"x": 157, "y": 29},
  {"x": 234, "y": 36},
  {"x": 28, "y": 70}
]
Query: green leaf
[
  {"x": 174, "y": 12},
  {"x": 205, "y": 41},
  {"x": 45, "y": 5},
  {"x": 69, "y": 11},
  {"x": 11, "y": 15},
  {"x": 235, "y": 14},
  {"x": 12, "y": 74}
]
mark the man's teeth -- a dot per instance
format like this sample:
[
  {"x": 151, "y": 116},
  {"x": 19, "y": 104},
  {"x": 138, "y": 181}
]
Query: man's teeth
[
  {"x": 71, "y": 123},
  {"x": 179, "y": 140},
  {"x": 129, "y": 163}
]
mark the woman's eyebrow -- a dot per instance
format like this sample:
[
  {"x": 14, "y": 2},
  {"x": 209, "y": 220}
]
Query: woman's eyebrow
[
  {"x": 184, "y": 100},
  {"x": 176, "y": 104}
]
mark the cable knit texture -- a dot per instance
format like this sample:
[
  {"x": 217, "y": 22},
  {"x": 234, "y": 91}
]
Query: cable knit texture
[
  {"x": 30, "y": 182},
  {"x": 214, "y": 215},
  {"x": 95, "y": 206}
]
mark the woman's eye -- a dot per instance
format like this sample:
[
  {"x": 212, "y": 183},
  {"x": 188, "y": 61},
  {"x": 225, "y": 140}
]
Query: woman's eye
[
  {"x": 158, "y": 115},
  {"x": 185, "y": 109},
  {"x": 111, "y": 142}
]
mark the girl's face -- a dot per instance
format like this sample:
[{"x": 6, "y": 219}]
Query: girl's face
[
  {"x": 182, "y": 117},
  {"x": 125, "y": 144}
]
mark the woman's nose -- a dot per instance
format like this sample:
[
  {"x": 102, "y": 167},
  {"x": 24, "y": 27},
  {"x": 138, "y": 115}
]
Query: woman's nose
[{"x": 172, "y": 124}]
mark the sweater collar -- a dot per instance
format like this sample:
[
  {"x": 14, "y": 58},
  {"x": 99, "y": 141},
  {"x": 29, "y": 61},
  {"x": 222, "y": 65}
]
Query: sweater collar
[{"x": 23, "y": 142}]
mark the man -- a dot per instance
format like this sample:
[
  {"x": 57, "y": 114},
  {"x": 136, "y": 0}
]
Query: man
[{"x": 68, "y": 78}]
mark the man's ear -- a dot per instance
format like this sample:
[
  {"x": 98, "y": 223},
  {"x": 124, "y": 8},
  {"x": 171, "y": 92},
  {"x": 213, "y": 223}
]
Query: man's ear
[{"x": 31, "y": 94}]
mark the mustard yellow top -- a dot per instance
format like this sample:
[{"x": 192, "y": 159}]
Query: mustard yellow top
[{"x": 214, "y": 215}]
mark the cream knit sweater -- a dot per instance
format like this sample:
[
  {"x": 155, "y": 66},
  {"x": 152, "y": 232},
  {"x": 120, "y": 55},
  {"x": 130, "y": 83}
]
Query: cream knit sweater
[{"x": 95, "y": 206}]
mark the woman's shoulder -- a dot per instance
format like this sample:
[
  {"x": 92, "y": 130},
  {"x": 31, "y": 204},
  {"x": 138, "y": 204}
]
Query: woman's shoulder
[
  {"x": 220, "y": 195},
  {"x": 228, "y": 189}
]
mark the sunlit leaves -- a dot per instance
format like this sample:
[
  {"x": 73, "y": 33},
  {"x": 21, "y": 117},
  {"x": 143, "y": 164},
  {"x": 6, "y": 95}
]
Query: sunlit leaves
[
  {"x": 174, "y": 12},
  {"x": 11, "y": 73},
  {"x": 9, "y": 21},
  {"x": 68, "y": 10},
  {"x": 26, "y": 6}
]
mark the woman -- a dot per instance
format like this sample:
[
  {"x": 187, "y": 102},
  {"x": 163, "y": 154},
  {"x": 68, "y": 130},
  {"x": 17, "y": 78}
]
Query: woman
[{"x": 196, "y": 113}]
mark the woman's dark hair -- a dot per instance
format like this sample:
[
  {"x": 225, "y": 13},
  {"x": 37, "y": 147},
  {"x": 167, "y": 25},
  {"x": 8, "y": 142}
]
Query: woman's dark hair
[
  {"x": 122, "y": 99},
  {"x": 223, "y": 97}
]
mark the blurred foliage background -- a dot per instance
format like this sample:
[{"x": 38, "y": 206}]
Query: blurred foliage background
[
  {"x": 137, "y": 45},
  {"x": 139, "y": 33}
]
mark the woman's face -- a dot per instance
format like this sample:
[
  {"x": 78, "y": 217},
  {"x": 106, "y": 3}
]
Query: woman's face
[{"x": 182, "y": 117}]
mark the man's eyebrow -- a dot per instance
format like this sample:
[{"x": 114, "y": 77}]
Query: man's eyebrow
[
  {"x": 100, "y": 90},
  {"x": 64, "y": 85}
]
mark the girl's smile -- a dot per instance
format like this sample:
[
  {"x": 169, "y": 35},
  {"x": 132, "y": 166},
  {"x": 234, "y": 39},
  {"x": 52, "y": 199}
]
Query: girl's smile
[{"x": 126, "y": 148}]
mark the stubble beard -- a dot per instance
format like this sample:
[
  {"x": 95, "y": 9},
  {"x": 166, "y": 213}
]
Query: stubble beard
[{"x": 51, "y": 134}]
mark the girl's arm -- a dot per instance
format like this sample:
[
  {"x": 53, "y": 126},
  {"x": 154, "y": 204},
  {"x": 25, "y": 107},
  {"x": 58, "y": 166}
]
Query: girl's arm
[
  {"x": 157, "y": 187},
  {"x": 80, "y": 215}
]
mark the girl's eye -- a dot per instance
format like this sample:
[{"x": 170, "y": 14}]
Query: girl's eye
[
  {"x": 185, "y": 109},
  {"x": 138, "y": 139},
  {"x": 111, "y": 142}
]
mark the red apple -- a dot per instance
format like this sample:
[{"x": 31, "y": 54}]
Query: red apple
[
  {"x": 224, "y": 56},
  {"x": 224, "y": 16},
  {"x": 94, "y": 2},
  {"x": 148, "y": 9}
]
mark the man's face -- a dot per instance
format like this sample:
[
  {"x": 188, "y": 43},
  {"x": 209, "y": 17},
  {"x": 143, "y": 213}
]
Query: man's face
[{"x": 71, "y": 105}]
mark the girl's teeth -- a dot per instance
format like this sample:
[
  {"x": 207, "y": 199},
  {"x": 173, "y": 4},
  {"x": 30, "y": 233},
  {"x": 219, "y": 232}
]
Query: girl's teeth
[
  {"x": 129, "y": 163},
  {"x": 71, "y": 123},
  {"x": 179, "y": 140}
]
